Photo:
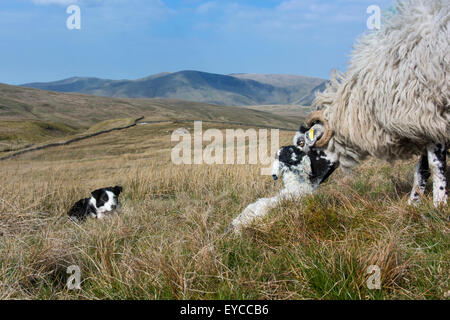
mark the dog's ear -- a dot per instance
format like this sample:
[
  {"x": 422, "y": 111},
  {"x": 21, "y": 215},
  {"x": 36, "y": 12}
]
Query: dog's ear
[
  {"x": 96, "y": 193},
  {"x": 117, "y": 190}
]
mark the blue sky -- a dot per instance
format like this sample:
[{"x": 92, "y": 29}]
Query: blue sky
[{"x": 130, "y": 39}]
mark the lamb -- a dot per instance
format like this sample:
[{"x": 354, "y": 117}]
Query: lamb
[
  {"x": 302, "y": 173},
  {"x": 393, "y": 101}
]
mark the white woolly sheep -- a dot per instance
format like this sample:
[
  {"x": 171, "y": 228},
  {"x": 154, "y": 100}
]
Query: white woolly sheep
[{"x": 393, "y": 101}]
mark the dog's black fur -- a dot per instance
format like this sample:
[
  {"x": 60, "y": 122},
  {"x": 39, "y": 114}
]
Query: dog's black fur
[{"x": 90, "y": 206}]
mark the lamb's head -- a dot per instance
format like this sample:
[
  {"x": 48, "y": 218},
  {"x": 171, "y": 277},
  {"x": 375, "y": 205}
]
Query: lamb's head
[
  {"x": 315, "y": 139},
  {"x": 291, "y": 159}
]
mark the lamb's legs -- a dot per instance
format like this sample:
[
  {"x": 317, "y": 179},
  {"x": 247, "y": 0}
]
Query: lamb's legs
[
  {"x": 437, "y": 160},
  {"x": 421, "y": 175}
]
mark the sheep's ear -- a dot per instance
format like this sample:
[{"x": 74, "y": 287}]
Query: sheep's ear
[{"x": 314, "y": 134}]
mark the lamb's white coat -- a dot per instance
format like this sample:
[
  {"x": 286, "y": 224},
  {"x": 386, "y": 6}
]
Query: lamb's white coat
[{"x": 296, "y": 184}]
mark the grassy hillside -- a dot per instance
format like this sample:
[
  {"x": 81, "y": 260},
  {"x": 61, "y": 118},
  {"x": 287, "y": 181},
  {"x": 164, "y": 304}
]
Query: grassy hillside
[
  {"x": 30, "y": 116},
  {"x": 234, "y": 90},
  {"x": 17, "y": 103},
  {"x": 170, "y": 241},
  {"x": 293, "y": 112},
  {"x": 19, "y": 134}
]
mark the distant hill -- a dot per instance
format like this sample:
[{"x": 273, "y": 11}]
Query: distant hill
[
  {"x": 231, "y": 90},
  {"x": 297, "y": 88},
  {"x": 309, "y": 98}
]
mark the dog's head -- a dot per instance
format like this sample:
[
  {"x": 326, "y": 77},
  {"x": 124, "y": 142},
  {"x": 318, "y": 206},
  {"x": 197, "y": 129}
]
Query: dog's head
[
  {"x": 291, "y": 159},
  {"x": 106, "y": 199}
]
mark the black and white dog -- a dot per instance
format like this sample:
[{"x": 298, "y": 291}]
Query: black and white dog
[{"x": 102, "y": 203}]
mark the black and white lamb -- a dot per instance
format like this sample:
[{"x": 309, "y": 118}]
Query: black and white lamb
[{"x": 302, "y": 173}]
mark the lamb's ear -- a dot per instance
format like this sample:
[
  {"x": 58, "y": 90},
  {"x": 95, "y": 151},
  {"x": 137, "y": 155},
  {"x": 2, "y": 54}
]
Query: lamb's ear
[
  {"x": 314, "y": 134},
  {"x": 299, "y": 140},
  {"x": 117, "y": 190},
  {"x": 306, "y": 165}
]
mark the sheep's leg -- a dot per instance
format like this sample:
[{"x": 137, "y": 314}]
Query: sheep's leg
[
  {"x": 437, "y": 160},
  {"x": 421, "y": 175}
]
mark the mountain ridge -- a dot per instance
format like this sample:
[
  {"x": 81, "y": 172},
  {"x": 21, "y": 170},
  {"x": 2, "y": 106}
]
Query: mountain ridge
[{"x": 237, "y": 89}]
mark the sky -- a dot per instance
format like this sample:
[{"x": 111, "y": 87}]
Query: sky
[{"x": 131, "y": 39}]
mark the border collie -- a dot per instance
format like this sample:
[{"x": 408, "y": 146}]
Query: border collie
[{"x": 101, "y": 204}]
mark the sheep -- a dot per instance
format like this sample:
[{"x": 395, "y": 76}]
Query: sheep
[
  {"x": 302, "y": 173},
  {"x": 393, "y": 100}
]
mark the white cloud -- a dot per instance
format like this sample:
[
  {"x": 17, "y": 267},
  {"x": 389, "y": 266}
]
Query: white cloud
[
  {"x": 287, "y": 17},
  {"x": 118, "y": 13},
  {"x": 89, "y": 3},
  {"x": 60, "y": 2},
  {"x": 206, "y": 7}
]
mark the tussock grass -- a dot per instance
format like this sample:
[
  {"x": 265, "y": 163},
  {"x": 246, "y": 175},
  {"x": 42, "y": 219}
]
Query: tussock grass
[{"x": 171, "y": 239}]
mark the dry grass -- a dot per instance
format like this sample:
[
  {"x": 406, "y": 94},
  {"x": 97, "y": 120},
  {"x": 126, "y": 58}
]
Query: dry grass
[
  {"x": 171, "y": 240},
  {"x": 295, "y": 112}
]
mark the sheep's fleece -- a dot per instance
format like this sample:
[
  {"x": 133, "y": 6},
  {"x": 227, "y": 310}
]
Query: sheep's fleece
[{"x": 394, "y": 98}]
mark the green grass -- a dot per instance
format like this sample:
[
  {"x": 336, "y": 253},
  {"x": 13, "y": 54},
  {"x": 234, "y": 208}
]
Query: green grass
[
  {"x": 109, "y": 124},
  {"x": 18, "y": 134}
]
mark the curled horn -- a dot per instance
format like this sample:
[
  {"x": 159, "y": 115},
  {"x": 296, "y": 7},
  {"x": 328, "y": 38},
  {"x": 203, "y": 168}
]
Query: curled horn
[{"x": 317, "y": 116}]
